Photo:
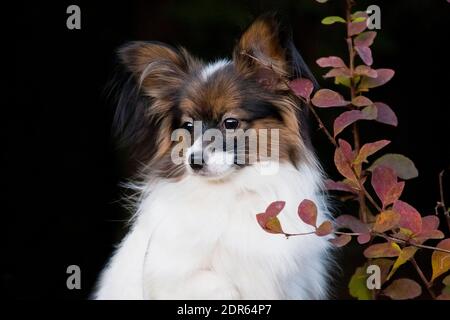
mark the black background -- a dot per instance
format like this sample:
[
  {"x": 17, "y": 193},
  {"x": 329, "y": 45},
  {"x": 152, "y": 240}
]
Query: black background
[{"x": 61, "y": 170}]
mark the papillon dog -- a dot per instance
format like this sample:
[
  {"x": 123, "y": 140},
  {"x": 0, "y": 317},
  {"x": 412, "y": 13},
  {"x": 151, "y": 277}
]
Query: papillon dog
[{"x": 194, "y": 233}]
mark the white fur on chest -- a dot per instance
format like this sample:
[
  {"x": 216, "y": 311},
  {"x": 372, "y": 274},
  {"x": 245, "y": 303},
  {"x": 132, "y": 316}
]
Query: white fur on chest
[{"x": 200, "y": 240}]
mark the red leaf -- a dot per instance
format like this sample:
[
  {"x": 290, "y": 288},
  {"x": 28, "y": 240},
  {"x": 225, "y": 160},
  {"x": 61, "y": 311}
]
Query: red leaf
[
  {"x": 383, "y": 250},
  {"x": 430, "y": 230},
  {"x": 307, "y": 211},
  {"x": 384, "y": 182},
  {"x": 268, "y": 220},
  {"x": 343, "y": 156},
  {"x": 302, "y": 87},
  {"x": 339, "y": 186},
  {"x": 365, "y": 39},
  {"x": 385, "y": 114},
  {"x": 430, "y": 223},
  {"x": 409, "y": 217},
  {"x": 364, "y": 70},
  {"x": 324, "y": 229},
  {"x": 325, "y": 98},
  {"x": 361, "y": 101},
  {"x": 341, "y": 241},
  {"x": 355, "y": 225},
  {"x": 403, "y": 289},
  {"x": 384, "y": 75},
  {"x": 365, "y": 54},
  {"x": 348, "y": 117},
  {"x": 332, "y": 61},
  {"x": 363, "y": 238},
  {"x": 369, "y": 149}
]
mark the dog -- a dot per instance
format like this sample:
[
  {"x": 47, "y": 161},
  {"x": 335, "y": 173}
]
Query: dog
[{"x": 194, "y": 232}]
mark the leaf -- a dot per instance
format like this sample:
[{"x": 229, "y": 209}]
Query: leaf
[
  {"x": 403, "y": 166},
  {"x": 337, "y": 72},
  {"x": 385, "y": 114},
  {"x": 383, "y": 76},
  {"x": 341, "y": 240},
  {"x": 324, "y": 229},
  {"x": 384, "y": 182},
  {"x": 359, "y": 19},
  {"x": 361, "y": 101},
  {"x": 332, "y": 19},
  {"x": 430, "y": 230},
  {"x": 326, "y": 98},
  {"x": 446, "y": 280},
  {"x": 440, "y": 261},
  {"x": 345, "y": 81},
  {"x": 343, "y": 157},
  {"x": 307, "y": 211},
  {"x": 365, "y": 39},
  {"x": 302, "y": 87},
  {"x": 386, "y": 220},
  {"x": 339, "y": 186},
  {"x": 365, "y": 54},
  {"x": 273, "y": 226},
  {"x": 358, "y": 284},
  {"x": 331, "y": 61},
  {"x": 382, "y": 250},
  {"x": 444, "y": 296},
  {"x": 357, "y": 27},
  {"x": 406, "y": 254},
  {"x": 409, "y": 217},
  {"x": 348, "y": 117},
  {"x": 355, "y": 225},
  {"x": 369, "y": 149},
  {"x": 364, "y": 70},
  {"x": 268, "y": 220},
  {"x": 403, "y": 289}
]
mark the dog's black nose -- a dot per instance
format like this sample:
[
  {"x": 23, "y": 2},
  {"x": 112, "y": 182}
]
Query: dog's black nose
[{"x": 196, "y": 161}]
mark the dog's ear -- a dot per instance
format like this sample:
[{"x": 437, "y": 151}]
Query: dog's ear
[
  {"x": 259, "y": 53},
  {"x": 267, "y": 52},
  {"x": 158, "y": 68}
]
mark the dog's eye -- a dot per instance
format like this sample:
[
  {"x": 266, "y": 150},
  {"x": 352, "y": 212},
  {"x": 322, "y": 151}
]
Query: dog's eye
[
  {"x": 188, "y": 125},
  {"x": 231, "y": 123}
]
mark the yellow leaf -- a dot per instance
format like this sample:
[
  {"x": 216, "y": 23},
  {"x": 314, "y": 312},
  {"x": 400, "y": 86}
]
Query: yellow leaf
[
  {"x": 440, "y": 261},
  {"x": 386, "y": 220},
  {"x": 406, "y": 254}
]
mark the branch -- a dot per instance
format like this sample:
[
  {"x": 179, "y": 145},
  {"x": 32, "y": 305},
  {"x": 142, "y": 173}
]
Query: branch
[{"x": 428, "y": 284}]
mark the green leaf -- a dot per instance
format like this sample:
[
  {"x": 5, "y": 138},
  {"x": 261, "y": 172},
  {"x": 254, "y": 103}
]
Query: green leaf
[
  {"x": 345, "y": 81},
  {"x": 358, "y": 285},
  {"x": 359, "y": 19},
  {"x": 332, "y": 19},
  {"x": 403, "y": 166}
]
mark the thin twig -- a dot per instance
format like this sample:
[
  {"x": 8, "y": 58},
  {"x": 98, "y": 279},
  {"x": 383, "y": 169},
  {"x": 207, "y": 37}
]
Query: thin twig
[{"x": 428, "y": 284}]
